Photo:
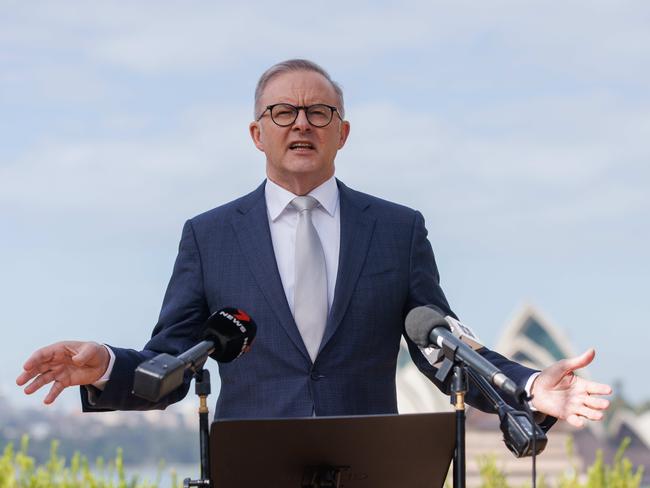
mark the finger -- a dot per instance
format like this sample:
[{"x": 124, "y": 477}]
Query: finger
[
  {"x": 54, "y": 392},
  {"x": 40, "y": 368},
  {"x": 598, "y": 388},
  {"x": 596, "y": 403},
  {"x": 575, "y": 420},
  {"x": 40, "y": 381},
  {"x": 40, "y": 356},
  {"x": 25, "y": 376},
  {"x": 589, "y": 413},
  {"x": 577, "y": 362}
]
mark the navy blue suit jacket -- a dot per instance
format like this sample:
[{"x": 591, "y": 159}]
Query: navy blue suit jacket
[{"x": 226, "y": 259}]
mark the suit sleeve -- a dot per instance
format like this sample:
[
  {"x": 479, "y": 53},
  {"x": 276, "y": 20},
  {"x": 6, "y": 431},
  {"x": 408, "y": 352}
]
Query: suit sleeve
[
  {"x": 424, "y": 289},
  {"x": 183, "y": 312}
]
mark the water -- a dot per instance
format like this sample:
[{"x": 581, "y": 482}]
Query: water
[{"x": 149, "y": 473}]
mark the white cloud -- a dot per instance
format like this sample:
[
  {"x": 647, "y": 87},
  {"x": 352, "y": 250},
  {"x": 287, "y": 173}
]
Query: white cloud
[
  {"x": 206, "y": 160},
  {"x": 507, "y": 183},
  {"x": 585, "y": 37}
]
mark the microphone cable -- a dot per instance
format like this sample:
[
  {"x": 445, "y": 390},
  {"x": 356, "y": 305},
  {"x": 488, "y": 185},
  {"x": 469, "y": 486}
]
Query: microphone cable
[{"x": 531, "y": 417}]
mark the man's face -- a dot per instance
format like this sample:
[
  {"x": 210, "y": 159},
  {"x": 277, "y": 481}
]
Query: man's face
[{"x": 299, "y": 168}]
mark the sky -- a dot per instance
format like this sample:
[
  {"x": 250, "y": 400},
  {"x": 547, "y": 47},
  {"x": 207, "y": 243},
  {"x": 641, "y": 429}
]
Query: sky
[{"x": 521, "y": 131}]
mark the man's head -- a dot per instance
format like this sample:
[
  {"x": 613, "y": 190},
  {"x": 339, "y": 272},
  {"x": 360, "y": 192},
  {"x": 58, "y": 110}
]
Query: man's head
[
  {"x": 299, "y": 154},
  {"x": 293, "y": 65}
]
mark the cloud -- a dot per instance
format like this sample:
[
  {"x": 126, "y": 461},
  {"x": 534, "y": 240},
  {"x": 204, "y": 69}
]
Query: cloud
[
  {"x": 205, "y": 160},
  {"x": 514, "y": 181},
  {"x": 585, "y": 38}
]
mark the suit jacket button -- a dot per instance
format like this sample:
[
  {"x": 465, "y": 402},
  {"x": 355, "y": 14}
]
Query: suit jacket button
[{"x": 315, "y": 376}]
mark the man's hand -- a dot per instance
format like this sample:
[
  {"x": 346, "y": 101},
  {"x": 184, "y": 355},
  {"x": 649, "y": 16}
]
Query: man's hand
[
  {"x": 66, "y": 363},
  {"x": 562, "y": 394}
]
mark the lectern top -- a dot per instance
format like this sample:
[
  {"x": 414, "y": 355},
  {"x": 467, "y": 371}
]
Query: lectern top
[{"x": 379, "y": 451}]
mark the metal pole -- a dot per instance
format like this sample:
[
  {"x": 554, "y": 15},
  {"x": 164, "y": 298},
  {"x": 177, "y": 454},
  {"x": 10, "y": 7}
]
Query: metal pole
[{"x": 459, "y": 388}]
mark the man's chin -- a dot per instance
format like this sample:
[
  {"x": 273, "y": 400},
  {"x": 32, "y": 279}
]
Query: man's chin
[
  {"x": 304, "y": 164},
  {"x": 305, "y": 158}
]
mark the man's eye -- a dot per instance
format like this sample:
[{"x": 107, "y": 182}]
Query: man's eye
[
  {"x": 318, "y": 111},
  {"x": 284, "y": 111}
]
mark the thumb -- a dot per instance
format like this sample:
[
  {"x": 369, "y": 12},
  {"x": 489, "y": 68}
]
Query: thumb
[
  {"x": 577, "y": 362},
  {"x": 84, "y": 354}
]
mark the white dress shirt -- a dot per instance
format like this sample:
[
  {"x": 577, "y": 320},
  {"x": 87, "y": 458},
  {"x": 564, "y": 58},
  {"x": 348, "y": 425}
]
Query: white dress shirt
[{"x": 283, "y": 221}]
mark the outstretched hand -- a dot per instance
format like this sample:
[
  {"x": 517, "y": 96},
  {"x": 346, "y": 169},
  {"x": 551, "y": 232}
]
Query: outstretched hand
[
  {"x": 66, "y": 363},
  {"x": 557, "y": 391}
]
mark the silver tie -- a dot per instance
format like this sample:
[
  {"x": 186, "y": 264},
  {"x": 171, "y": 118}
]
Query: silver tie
[{"x": 310, "y": 290}]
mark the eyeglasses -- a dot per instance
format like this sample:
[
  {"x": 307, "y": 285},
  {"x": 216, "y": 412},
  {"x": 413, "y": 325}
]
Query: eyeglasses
[{"x": 285, "y": 114}]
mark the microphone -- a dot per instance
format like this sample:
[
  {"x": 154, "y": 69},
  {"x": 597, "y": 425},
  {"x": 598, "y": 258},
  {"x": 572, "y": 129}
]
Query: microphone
[
  {"x": 459, "y": 330},
  {"x": 227, "y": 334},
  {"x": 426, "y": 326},
  {"x": 231, "y": 331}
]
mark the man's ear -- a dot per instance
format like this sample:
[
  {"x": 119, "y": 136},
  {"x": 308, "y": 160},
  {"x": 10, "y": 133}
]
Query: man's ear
[
  {"x": 344, "y": 133},
  {"x": 256, "y": 134}
]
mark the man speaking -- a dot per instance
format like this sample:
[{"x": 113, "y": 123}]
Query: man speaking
[{"x": 328, "y": 274}]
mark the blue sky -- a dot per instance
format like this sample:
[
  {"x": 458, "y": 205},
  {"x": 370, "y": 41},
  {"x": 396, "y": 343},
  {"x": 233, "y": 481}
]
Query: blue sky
[{"x": 519, "y": 129}]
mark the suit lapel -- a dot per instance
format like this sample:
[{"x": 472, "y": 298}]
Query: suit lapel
[
  {"x": 251, "y": 225},
  {"x": 356, "y": 231}
]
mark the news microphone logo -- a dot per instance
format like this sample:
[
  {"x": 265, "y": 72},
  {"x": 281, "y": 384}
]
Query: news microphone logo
[{"x": 232, "y": 331}]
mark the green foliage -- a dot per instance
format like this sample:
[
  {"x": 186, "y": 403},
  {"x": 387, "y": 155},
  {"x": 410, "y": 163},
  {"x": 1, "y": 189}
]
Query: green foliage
[
  {"x": 620, "y": 474},
  {"x": 491, "y": 475},
  {"x": 19, "y": 470}
]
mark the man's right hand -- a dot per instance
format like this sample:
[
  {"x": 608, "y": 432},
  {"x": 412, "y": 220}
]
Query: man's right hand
[{"x": 65, "y": 363}]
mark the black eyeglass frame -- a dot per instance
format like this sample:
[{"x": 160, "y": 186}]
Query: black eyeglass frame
[{"x": 298, "y": 108}]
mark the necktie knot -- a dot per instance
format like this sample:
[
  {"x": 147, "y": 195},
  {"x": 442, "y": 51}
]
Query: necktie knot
[{"x": 304, "y": 203}]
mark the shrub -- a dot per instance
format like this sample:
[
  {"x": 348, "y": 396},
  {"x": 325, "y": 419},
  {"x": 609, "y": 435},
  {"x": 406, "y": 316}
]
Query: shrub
[
  {"x": 620, "y": 474},
  {"x": 19, "y": 470}
]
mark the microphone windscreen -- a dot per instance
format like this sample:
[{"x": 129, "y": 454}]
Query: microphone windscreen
[
  {"x": 232, "y": 331},
  {"x": 420, "y": 321}
]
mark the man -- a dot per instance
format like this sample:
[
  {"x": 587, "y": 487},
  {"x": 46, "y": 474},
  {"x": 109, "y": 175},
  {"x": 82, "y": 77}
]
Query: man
[{"x": 329, "y": 278}]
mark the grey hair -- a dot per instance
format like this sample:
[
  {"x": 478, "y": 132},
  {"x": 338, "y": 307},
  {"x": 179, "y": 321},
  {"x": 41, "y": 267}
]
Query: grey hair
[{"x": 295, "y": 65}]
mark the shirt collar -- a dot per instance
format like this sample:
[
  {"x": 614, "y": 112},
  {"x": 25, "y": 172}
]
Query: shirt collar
[{"x": 278, "y": 198}]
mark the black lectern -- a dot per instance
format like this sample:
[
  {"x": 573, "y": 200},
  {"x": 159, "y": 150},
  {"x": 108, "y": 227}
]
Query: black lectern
[{"x": 381, "y": 451}]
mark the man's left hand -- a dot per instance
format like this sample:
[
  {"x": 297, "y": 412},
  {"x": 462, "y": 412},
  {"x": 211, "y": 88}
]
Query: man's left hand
[{"x": 557, "y": 391}]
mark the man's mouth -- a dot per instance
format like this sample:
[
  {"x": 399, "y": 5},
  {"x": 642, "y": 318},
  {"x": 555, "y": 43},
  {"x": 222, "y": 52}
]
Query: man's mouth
[{"x": 301, "y": 146}]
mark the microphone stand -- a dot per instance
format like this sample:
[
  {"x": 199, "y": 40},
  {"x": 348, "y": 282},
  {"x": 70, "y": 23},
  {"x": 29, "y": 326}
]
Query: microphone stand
[
  {"x": 521, "y": 435},
  {"x": 164, "y": 373},
  {"x": 456, "y": 369},
  {"x": 459, "y": 388},
  {"x": 202, "y": 389}
]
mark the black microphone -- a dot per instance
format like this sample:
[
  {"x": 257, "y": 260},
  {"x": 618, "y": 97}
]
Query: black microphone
[
  {"x": 232, "y": 331},
  {"x": 427, "y": 326},
  {"x": 226, "y": 335}
]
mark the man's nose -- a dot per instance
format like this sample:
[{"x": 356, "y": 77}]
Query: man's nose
[{"x": 301, "y": 122}]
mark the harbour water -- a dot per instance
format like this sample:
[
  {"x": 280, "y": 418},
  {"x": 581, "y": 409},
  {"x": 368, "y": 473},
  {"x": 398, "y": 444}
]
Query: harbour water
[{"x": 164, "y": 476}]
